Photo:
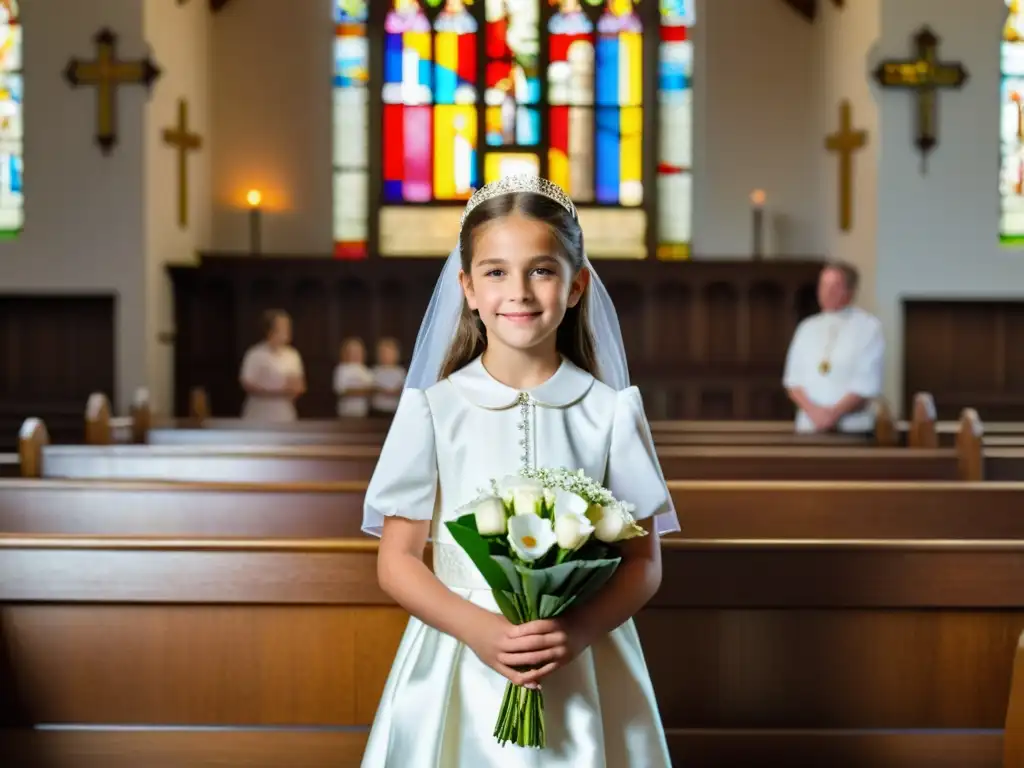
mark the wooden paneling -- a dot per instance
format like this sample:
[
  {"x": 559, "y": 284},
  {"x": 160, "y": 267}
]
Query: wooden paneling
[
  {"x": 54, "y": 352},
  {"x": 845, "y": 653},
  {"x": 966, "y": 354},
  {"x": 706, "y": 339}
]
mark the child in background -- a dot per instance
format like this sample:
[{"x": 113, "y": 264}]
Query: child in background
[
  {"x": 388, "y": 377},
  {"x": 353, "y": 382}
]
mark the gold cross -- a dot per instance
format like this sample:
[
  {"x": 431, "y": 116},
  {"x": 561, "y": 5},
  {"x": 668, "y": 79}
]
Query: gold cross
[
  {"x": 924, "y": 75},
  {"x": 846, "y": 141},
  {"x": 184, "y": 141},
  {"x": 106, "y": 73}
]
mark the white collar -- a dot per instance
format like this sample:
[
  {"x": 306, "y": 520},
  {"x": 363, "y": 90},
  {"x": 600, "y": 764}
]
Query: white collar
[{"x": 567, "y": 386}]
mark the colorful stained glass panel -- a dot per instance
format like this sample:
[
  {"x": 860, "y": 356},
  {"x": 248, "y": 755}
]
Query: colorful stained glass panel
[
  {"x": 501, "y": 164},
  {"x": 11, "y": 120},
  {"x": 1011, "y": 127},
  {"x": 351, "y": 103},
  {"x": 675, "y": 111},
  {"x": 455, "y": 174}
]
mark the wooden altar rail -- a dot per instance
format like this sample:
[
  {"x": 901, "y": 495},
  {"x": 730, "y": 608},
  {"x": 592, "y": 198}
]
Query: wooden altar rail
[
  {"x": 266, "y": 652},
  {"x": 274, "y": 464},
  {"x": 708, "y": 510}
]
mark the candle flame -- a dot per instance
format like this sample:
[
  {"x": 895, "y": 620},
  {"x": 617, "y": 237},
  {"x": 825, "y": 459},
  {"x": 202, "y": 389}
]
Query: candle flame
[
  {"x": 758, "y": 197},
  {"x": 254, "y": 197}
]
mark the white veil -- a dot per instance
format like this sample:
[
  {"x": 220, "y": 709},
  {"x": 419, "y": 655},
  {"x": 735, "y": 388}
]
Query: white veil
[{"x": 442, "y": 318}]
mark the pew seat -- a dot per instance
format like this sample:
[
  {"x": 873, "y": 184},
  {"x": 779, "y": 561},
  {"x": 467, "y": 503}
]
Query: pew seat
[
  {"x": 762, "y": 653},
  {"x": 708, "y": 510}
]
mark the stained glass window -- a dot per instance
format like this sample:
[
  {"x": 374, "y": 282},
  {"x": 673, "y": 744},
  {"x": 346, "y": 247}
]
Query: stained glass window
[
  {"x": 675, "y": 115},
  {"x": 351, "y": 123},
  {"x": 473, "y": 90},
  {"x": 1011, "y": 128},
  {"x": 11, "y": 211}
]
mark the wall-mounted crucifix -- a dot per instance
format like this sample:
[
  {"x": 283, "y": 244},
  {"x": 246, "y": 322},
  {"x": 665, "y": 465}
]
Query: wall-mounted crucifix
[
  {"x": 845, "y": 142},
  {"x": 925, "y": 75},
  {"x": 106, "y": 73},
  {"x": 185, "y": 141}
]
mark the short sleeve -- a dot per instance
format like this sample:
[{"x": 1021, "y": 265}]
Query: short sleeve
[
  {"x": 250, "y": 372},
  {"x": 793, "y": 374},
  {"x": 869, "y": 367},
  {"x": 634, "y": 474},
  {"x": 404, "y": 483}
]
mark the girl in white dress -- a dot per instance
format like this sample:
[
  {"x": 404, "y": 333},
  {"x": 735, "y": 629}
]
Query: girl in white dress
[
  {"x": 272, "y": 374},
  {"x": 533, "y": 375},
  {"x": 388, "y": 377},
  {"x": 353, "y": 381}
]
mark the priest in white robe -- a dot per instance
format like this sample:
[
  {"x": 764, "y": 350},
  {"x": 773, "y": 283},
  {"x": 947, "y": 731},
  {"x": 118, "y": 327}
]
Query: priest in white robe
[{"x": 835, "y": 365}]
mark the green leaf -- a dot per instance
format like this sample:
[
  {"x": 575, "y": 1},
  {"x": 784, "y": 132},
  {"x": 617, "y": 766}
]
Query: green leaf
[
  {"x": 550, "y": 606},
  {"x": 534, "y": 585},
  {"x": 507, "y": 605},
  {"x": 511, "y": 572},
  {"x": 475, "y": 546}
]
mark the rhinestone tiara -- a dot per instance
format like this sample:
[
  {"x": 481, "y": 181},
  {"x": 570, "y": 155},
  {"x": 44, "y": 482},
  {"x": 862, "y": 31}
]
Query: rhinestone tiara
[{"x": 523, "y": 182}]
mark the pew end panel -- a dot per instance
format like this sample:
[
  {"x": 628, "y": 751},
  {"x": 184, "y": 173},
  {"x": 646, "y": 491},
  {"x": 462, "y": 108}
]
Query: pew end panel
[
  {"x": 922, "y": 425},
  {"x": 32, "y": 439}
]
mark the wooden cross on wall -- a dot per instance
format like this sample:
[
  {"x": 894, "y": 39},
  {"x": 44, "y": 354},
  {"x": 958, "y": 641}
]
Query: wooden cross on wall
[
  {"x": 184, "y": 141},
  {"x": 845, "y": 142},
  {"x": 106, "y": 73},
  {"x": 925, "y": 75}
]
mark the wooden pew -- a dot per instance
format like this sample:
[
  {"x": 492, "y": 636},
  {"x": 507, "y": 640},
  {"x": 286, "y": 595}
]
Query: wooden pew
[
  {"x": 224, "y": 432},
  {"x": 708, "y": 510},
  {"x": 354, "y": 462},
  {"x": 797, "y": 653},
  {"x": 1013, "y": 739}
]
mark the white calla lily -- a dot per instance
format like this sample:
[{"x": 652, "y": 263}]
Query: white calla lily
[
  {"x": 572, "y": 530},
  {"x": 489, "y": 513},
  {"x": 613, "y": 522},
  {"x": 530, "y": 536},
  {"x": 523, "y": 494}
]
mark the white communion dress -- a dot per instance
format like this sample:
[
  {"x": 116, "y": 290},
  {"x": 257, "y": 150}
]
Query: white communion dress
[{"x": 441, "y": 702}]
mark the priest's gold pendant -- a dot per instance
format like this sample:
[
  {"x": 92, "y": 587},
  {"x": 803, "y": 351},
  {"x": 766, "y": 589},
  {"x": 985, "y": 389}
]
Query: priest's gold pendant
[{"x": 824, "y": 367}]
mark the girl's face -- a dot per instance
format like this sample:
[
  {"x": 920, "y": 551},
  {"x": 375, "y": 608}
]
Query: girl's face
[{"x": 519, "y": 283}]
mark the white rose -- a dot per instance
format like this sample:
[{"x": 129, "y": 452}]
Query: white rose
[
  {"x": 613, "y": 523},
  {"x": 523, "y": 494},
  {"x": 572, "y": 530},
  {"x": 490, "y": 516},
  {"x": 530, "y": 537}
]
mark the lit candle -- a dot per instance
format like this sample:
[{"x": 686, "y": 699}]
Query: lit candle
[
  {"x": 757, "y": 199},
  {"x": 254, "y": 198}
]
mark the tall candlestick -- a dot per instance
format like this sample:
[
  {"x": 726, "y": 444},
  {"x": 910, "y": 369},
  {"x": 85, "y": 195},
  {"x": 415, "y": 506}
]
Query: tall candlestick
[
  {"x": 254, "y": 198},
  {"x": 757, "y": 199}
]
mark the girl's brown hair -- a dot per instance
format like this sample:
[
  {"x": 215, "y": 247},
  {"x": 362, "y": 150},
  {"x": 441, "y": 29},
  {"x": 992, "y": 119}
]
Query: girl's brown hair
[{"x": 574, "y": 339}]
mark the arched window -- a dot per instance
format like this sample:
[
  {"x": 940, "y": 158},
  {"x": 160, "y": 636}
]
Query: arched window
[{"x": 463, "y": 92}]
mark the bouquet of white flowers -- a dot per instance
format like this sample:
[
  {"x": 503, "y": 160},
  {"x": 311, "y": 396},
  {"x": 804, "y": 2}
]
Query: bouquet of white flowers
[{"x": 543, "y": 541}]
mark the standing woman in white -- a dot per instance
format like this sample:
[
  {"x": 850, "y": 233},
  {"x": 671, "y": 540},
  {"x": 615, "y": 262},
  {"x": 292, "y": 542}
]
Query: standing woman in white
[
  {"x": 272, "y": 374},
  {"x": 518, "y": 364},
  {"x": 835, "y": 364}
]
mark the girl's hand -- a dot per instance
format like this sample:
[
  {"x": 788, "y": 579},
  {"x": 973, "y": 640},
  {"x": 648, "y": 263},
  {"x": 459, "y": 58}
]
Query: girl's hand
[
  {"x": 492, "y": 640},
  {"x": 548, "y": 645}
]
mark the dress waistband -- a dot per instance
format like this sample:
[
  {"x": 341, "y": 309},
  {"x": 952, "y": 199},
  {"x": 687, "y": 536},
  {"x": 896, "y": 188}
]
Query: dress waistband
[{"x": 454, "y": 569}]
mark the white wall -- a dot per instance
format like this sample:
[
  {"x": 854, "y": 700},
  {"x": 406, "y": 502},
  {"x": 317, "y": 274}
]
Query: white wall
[
  {"x": 844, "y": 41},
  {"x": 271, "y": 90},
  {"x": 179, "y": 36},
  {"x": 755, "y": 120},
  {"x": 83, "y": 210},
  {"x": 754, "y": 84},
  {"x": 938, "y": 233}
]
